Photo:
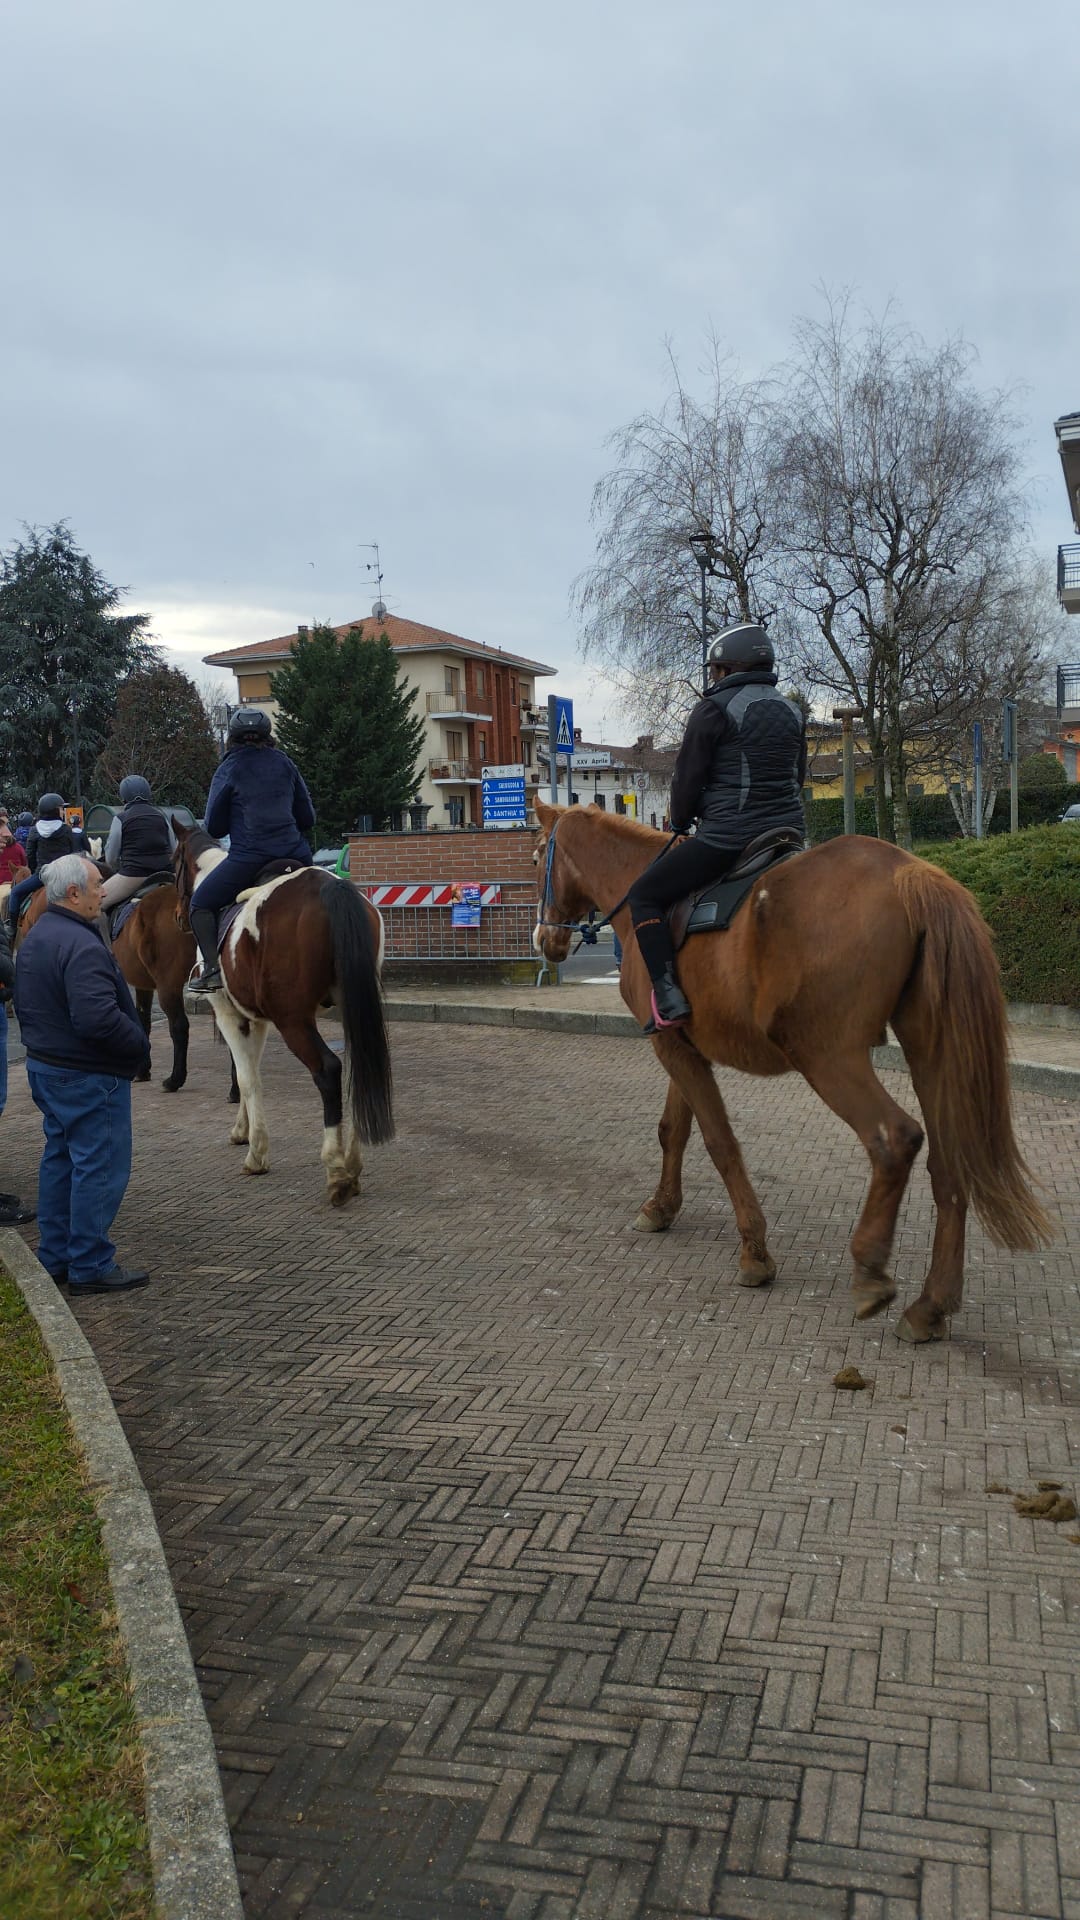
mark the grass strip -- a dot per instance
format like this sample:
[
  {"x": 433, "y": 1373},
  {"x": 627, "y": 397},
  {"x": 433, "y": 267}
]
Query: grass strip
[{"x": 73, "y": 1840}]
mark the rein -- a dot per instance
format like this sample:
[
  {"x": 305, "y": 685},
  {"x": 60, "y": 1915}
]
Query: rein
[{"x": 586, "y": 930}]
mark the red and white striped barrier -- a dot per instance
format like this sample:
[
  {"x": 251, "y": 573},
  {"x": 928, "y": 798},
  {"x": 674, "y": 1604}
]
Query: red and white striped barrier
[{"x": 429, "y": 893}]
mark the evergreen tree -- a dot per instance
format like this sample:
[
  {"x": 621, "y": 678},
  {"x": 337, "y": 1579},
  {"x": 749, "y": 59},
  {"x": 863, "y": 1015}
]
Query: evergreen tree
[
  {"x": 162, "y": 730},
  {"x": 346, "y": 719},
  {"x": 64, "y": 651}
]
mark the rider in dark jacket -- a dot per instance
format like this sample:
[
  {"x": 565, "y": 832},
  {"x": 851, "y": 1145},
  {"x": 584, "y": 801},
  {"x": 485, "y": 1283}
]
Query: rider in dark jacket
[
  {"x": 141, "y": 842},
  {"x": 49, "y": 839},
  {"x": 259, "y": 799},
  {"x": 739, "y": 772}
]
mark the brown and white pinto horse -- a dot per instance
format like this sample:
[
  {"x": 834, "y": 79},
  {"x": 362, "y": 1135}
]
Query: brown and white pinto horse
[
  {"x": 829, "y": 948},
  {"x": 306, "y": 940}
]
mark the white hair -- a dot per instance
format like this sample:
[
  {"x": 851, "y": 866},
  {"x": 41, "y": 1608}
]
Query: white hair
[{"x": 71, "y": 870}]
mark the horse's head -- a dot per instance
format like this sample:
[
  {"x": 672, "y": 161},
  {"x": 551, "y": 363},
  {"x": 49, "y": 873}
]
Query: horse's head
[{"x": 563, "y": 901}]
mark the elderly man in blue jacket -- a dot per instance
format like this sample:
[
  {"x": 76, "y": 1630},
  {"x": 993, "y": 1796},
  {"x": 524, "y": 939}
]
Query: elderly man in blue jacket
[{"x": 84, "y": 1045}]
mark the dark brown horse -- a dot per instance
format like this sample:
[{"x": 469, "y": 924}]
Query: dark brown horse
[
  {"x": 155, "y": 952},
  {"x": 305, "y": 941},
  {"x": 828, "y": 949}
]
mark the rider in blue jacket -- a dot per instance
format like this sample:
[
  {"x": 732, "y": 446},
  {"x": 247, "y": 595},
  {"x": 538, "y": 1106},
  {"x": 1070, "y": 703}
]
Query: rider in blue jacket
[{"x": 259, "y": 799}]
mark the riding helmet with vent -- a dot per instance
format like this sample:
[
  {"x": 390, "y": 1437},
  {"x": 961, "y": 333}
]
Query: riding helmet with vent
[
  {"x": 134, "y": 787},
  {"x": 50, "y": 806},
  {"x": 249, "y": 724},
  {"x": 745, "y": 649}
]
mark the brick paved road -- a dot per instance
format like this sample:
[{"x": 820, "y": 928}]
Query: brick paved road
[{"x": 533, "y": 1570}]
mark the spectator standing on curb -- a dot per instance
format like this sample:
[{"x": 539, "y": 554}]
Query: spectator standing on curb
[
  {"x": 84, "y": 1045},
  {"x": 12, "y": 1211}
]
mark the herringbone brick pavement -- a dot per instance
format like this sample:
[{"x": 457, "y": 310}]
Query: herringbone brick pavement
[{"x": 534, "y": 1570}]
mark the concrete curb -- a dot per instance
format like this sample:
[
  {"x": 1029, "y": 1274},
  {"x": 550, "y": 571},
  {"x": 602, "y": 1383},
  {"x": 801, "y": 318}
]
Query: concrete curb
[
  {"x": 1028, "y": 1076},
  {"x": 190, "y": 1847}
]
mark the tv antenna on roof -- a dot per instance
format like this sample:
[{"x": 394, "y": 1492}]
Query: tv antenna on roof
[{"x": 379, "y": 610}]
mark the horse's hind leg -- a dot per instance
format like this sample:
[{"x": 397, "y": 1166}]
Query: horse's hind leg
[
  {"x": 324, "y": 1066},
  {"x": 144, "y": 1003},
  {"x": 892, "y": 1138},
  {"x": 693, "y": 1077},
  {"x": 927, "y": 1317},
  {"x": 245, "y": 1040},
  {"x": 179, "y": 1032},
  {"x": 674, "y": 1131}
]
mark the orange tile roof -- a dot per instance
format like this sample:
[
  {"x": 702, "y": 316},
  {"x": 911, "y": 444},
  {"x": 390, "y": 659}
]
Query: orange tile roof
[{"x": 405, "y": 636}]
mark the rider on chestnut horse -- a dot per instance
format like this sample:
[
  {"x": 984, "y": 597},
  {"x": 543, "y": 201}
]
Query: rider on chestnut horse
[
  {"x": 259, "y": 799},
  {"x": 140, "y": 843},
  {"x": 49, "y": 838},
  {"x": 739, "y": 772}
]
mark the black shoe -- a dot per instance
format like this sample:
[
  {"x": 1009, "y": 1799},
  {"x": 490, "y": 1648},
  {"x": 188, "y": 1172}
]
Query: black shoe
[
  {"x": 209, "y": 981},
  {"x": 60, "y": 1278},
  {"x": 116, "y": 1280},
  {"x": 13, "y": 1213},
  {"x": 670, "y": 1006}
]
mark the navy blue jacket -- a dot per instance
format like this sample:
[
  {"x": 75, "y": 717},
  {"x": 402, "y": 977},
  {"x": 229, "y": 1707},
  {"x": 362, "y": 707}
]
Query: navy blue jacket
[
  {"x": 72, "y": 1000},
  {"x": 259, "y": 799},
  {"x": 742, "y": 763}
]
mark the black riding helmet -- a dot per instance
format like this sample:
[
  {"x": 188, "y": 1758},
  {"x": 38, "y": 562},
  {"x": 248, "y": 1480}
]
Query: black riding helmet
[
  {"x": 249, "y": 724},
  {"x": 50, "y": 806},
  {"x": 744, "y": 649},
  {"x": 134, "y": 787}
]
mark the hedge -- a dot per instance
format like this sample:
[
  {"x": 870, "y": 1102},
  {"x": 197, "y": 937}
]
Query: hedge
[
  {"x": 1028, "y": 887},
  {"x": 932, "y": 817}
]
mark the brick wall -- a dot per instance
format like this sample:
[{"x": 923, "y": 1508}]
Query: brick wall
[{"x": 504, "y": 859}]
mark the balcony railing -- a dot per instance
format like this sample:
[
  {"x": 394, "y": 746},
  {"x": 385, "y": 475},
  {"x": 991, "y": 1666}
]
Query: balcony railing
[
  {"x": 456, "y": 706},
  {"x": 459, "y": 771},
  {"x": 531, "y": 719},
  {"x": 1068, "y": 577}
]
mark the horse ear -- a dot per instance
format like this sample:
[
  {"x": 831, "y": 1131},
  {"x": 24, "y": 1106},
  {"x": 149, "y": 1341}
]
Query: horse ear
[
  {"x": 544, "y": 813},
  {"x": 179, "y": 828}
]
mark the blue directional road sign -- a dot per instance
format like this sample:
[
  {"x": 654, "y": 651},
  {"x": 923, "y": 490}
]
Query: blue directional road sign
[
  {"x": 502, "y": 792},
  {"x": 564, "y": 725}
]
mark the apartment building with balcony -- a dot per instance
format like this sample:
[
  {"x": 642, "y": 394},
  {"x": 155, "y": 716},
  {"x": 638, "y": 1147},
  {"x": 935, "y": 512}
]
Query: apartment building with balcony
[
  {"x": 478, "y": 704},
  {"x": 1067, "y": 430}
]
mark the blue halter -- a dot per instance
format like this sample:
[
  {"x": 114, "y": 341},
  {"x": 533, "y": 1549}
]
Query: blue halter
[{"x": 586, "y": 930}]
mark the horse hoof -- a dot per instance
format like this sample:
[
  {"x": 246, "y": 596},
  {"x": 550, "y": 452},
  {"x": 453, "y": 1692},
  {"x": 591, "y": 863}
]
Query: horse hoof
[
  {"x": 872, "y": 1296},
  {"x": 142, "y": 1078},
  {"x": 234, "y": 1096},
  {"x": 172, "y": 1086},
  {"x": 647, "y": 1222},
  {"x": 919, "y": 1326},
  {"x": 756, "y": 1273},
  {"x": 238, "y": 1139},
  {"x": 342, "y": 1193},
  {"x": 249, "y": 1167}
]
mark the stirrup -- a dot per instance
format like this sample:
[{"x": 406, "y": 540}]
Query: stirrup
[
  {"x": 209, "y": 981},
  {"x": 657, "y": 1024}
]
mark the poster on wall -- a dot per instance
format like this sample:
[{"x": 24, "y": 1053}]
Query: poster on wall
[{"x": 465, "y": 906}]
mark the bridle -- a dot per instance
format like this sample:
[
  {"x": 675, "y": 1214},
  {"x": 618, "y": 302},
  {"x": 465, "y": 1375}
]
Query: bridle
[{"x": 586, "y": 930}]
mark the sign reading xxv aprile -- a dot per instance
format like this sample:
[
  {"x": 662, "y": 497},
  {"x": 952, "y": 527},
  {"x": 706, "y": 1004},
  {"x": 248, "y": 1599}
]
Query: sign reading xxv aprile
[{"x": 502, "y": 791}]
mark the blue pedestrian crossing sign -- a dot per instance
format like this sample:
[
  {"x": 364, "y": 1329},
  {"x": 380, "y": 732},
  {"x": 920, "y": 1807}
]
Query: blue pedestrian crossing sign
[{"x": 564, "y": 725}]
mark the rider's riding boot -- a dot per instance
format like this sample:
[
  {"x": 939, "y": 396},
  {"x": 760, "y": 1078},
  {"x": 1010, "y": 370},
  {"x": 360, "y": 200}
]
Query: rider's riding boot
[
  {"x": 204, "y": 927},
  {"x": 670, "y": 1006}
]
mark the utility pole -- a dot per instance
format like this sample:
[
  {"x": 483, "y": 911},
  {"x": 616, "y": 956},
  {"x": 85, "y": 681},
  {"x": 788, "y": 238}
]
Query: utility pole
[
  {"x": 846, "y": 715},
  {"x": 703, "y": 548},
  {"x": 1010, "y": 747},
  {"x": 977, "y": 800}
]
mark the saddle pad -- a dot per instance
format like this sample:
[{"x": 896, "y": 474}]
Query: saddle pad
[
  {"x": 120, "y": 915},
  {"x": 713, "y": 909},
  {"x": 225, "y": 919}
]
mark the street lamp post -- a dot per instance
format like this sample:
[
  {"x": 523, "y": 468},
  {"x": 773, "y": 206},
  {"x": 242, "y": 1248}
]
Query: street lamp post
[
  {"x": 846, "y": 715},
  {"x": 703, "y": 548}
]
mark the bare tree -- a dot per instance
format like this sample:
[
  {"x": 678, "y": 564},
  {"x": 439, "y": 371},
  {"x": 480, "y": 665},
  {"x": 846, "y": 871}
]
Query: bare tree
[
  {"x": 695, "y": 467},
  {"x": 901, "y": 483}
]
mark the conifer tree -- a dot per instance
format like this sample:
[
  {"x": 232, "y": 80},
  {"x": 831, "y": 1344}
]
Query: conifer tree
[
  {"x": 346, "y": 719},
  {"x": 160, "y": 729}
]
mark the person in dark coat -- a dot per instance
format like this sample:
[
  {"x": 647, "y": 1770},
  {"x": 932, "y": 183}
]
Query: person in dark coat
[
  {"x": 12, "y": 1211},
  {"x": 49, "y": 838},
  {"x": 84, "y": 1045},
  {"x": 259, "y": 799},
  {"x": 739, "y": 772},
  {"x": 140, "y": 843}
]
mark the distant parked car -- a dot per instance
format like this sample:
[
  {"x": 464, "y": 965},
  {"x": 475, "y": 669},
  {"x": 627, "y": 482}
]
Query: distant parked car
[
  {"x": 327, "y": 856},
  {"x": 1071, "y": 813}
]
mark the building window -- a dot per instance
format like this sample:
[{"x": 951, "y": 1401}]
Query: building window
[
  {"x": 526, "y": 753},
  {"x": 601, "y": 802},
  {"x": 479, "y": 673},
  {"x": 454, "y": 749},
  {"x": 451, "y": 680},
  {"x": 481, "y": 745},
  {"x": 514, "y": 693},
  {"x": 456, "y": 810}
]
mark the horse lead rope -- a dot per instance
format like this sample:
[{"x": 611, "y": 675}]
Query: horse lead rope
[{"x": 586, "y": 930}]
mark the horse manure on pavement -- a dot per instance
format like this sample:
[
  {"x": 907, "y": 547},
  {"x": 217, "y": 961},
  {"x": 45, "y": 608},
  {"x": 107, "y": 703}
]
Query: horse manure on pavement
[
  {"x": 851, "y": 1379},
  {"x": 1048, "y": 1505},
  {"x": 998, "y": 1486},
  {"x": 1045, "y": 1486}
]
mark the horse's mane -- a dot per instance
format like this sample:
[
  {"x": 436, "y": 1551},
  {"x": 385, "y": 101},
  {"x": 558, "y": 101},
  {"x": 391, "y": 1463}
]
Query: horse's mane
[
  {"x": 617, "y": 826},
  {"x": 199, "y": 840}
]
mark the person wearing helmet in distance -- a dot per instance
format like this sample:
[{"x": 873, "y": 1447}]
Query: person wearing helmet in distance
[
  {"x": 49, "y": 839},
  {"x": 258, "y": 798},
  {"x": 140, "y": 843},
  {"x": 739, "y": 773}
]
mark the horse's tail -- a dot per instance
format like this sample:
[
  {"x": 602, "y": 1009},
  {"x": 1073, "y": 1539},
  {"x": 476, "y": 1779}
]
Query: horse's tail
[
  {"x": 363, "y": 1017},
  {"x": 957, "y": 987}
]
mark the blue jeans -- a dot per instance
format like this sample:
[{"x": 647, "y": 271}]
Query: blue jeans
[
  {"x": 84, "y": 1169},
  {"x": 21, "y": 891},
  {"x": 221, "y": 885},
  {"x": 3, "y": 1056}
]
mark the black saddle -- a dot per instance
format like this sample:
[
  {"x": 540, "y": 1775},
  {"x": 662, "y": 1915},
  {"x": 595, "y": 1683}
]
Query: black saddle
[
  {"x": 712, "y": 909},
  {"x": 118, "y": 915}
]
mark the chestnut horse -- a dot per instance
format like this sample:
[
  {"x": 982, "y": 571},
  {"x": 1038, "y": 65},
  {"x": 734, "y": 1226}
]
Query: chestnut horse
[
  {"x": 155, "y": 953},
  {"x": 828, "y": 948},
  {"x": 304, "y": 941}
]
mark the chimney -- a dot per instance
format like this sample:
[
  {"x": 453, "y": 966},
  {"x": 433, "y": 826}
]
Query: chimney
[{"x": 643, "y": 743}]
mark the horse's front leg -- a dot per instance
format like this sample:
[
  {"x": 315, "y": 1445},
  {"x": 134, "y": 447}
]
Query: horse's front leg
[
  {"x": 674, "y": 1131},
  {"x": 693, "y": 1076},
  {"x": 245, "y": 1040},
  {"x": 179, "y": 1032},
  {"x": 144, "y": 1003}
]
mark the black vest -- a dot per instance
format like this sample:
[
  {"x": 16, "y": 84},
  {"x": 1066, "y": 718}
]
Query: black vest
[
  {"x": 144, "y": 842},
  {"x": 754, "y": 780},
  {"x": 43, "y": 849}
]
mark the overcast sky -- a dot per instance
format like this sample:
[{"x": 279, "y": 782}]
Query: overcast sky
[{"x": 284, "y": 279}]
